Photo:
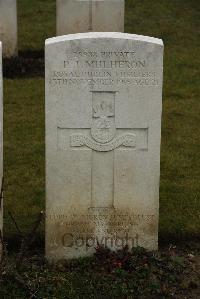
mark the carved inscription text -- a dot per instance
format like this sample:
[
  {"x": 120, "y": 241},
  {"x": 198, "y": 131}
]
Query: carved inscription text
[{"x": 104, "y": 68}]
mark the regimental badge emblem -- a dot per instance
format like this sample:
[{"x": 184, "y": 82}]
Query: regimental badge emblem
[
  {"x": 103, "y": 130},
  {"x": 103, "y": 127}
]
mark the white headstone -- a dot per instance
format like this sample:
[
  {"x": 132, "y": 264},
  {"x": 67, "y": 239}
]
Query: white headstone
[
  {"x": 1, "y": 153},
  {"x": 103, "y": 131},
  {"x": 8, "y": 27},
  {"x": 74, "y": 16}
]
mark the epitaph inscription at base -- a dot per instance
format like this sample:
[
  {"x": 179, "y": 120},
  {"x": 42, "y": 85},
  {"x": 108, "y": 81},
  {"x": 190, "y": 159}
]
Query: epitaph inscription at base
[{"x": 103, "y": 129}]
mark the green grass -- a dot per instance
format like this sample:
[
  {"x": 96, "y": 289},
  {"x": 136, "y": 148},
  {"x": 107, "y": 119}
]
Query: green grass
[
  {"x": 23, "y": 150},
  {"x": 177, "y": 23}
]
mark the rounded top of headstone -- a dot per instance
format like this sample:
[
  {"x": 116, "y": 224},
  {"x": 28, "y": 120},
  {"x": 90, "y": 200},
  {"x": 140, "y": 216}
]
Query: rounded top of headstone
[{"x": 99, "y": 35}]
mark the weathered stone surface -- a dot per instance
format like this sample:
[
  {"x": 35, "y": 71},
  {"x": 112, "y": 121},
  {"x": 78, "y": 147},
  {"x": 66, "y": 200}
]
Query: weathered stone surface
[
  {"x": 74, "y": 16},
  {"x": 8, "y": 27},
  {"x": 1, "y": 152},
  {"x": 103, "y": 130}
]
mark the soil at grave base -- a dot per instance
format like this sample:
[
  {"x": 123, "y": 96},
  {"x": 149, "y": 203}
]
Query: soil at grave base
[
  {"x": 26, "y": 64},
  {"x": 172, "y": 272}
]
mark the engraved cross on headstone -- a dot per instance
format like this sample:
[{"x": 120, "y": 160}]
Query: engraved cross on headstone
[
  {"x": 90, "y": 14},
  {"x": 103, "y": 140}
]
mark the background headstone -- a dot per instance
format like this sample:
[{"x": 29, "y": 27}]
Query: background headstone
[
  {"x": 74, "y": 16},
  {"x": 1, "y": 153},
  {"x": 103, "y": 131},
  {"x": 8, "y": 27}
]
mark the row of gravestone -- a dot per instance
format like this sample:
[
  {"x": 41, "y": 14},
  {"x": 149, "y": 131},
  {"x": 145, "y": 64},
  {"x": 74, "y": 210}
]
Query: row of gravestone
[
  {"x": 103, "y": 103},
  {"x": 72, "y": 16}
]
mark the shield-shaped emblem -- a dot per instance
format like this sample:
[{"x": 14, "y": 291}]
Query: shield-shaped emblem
[{"x": 103, "y": 129}]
